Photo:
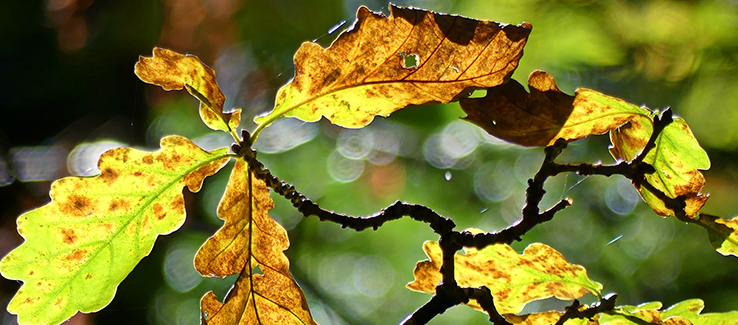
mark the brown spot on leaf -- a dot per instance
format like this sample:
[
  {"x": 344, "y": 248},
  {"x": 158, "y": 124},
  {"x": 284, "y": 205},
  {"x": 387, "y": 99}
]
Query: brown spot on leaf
[
  {"x": 331, "y": 77},
  {"x": 76, "y": 255},
  {"x": 107, "y": 226},
  {"x": 177, "y": 206},
  {"x": 177, "y": 158},
  {"x": 159, "y": 212},
  {"x": 502, "y": 294},
  {"x": 177, "y": 142},
  {"x": 88, "y": 276},
  {"x": 148, "y": 160},
  {"x": 68, "y": 236},
  {"x": 109, "y": 175},
  {"x": 76, "y": 206},
  {"x": 145, "y": 222}
]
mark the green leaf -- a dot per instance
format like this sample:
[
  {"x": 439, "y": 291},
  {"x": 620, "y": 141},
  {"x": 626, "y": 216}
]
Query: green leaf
[
  {"x": 722, "y": 233},
  {"x": 81, "y": 245},
  {"x": 546, "y": 114},
  {"x": 677, "y": 158},
  {"x": 383, "y": 64},
  {"x": 174, "y": 71},
  {"x": 514, "y": 279},
  {"x": 684, "y": 313},
  {"x": 646, "y": 313},
  {"x": 690, "y": 310}
]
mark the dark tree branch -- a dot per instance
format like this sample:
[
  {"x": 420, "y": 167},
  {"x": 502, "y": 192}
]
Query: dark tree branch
[
  {"x": 448, "y": 296},
  {"x": 448, "y": 293},
  {"x": 307, "y": 207},
  {"x": 607, "y": 303},
  {"x": 484, "y": 297}
]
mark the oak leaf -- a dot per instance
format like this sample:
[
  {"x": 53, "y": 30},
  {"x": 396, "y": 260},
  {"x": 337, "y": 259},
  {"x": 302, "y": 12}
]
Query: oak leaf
[
  {"x": 81, "y": 245},
  {"x": 383, "y": 64},
  {"x": 545, "y": 318},
  {"x": 250, "y": 239},
  {"x": 546, "y": 114},
  {"x": 514, "y": 279},
  {"x": 677, "y": 158},
  {"x": 689, "y": 310},
  {"x": 646, "y": 313},
  {"x": 684, "y": 313},
  {"x": 722, "y": 233},
  {"x": 174, "y": 71}
]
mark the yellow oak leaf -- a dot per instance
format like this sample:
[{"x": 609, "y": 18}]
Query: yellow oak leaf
[
  {"x": 383, "y": 64},
  {"x": 722, "y": 233},
  {"x": 174, "y": 71},
  {"x": 514, "y": 279},
  {"x": 677, "y": 158},
  {"x": 250, "y": 239}
]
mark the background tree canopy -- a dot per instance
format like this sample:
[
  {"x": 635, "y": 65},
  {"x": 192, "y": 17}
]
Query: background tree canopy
[{"x": 69, "y": 93}]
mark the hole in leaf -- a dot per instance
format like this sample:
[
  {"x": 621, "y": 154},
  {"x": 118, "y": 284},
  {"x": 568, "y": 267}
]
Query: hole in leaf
[
  {"x": 409, "y": 61},
  {"x": 257, "y": 270},
  {"x": 478, "y": 93}
]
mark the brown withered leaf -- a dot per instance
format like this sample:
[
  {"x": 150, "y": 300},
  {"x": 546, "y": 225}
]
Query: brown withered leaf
[
  {"x": 546, "y": 114},
  {"x": 250, "y": 238},
  {"x": 383, "y": 64},
  {"x": 174, "y": 71}
]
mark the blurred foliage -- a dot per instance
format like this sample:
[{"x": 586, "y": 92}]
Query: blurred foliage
[{"x": 66, "y": 70}]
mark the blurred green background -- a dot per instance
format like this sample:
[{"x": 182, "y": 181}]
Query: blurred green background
[{"x": 68, "y": 92}]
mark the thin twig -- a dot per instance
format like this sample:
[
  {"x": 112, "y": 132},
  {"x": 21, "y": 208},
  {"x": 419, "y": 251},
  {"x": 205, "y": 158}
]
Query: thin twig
[
  {"x": 448, "y": 293},
  {"x": 607, "y": 303}
]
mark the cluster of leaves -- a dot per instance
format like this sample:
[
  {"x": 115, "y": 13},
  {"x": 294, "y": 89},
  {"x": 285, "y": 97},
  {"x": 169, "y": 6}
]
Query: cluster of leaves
[{"x": 81, "y": 245}]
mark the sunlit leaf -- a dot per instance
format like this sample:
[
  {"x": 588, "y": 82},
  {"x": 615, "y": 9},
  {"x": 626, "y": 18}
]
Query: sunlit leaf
[
  {"x": 383, "y": 64},
  {"x": 684, "y": 313},
  {"x": 174, "y": 71},
  {"x": 546, "y": 114},
  {"x": 629, "y": 140},
  {"x": 80, "y": 246},
  {"x": 690, "y": 310},
  {"x": 250, "y": 239},
  {"x": 723, "y": 234},
  {"x": 513, "y": 279},
  {"x": 677, "y": 158},
  {"x": 545, "y": 318},
  {"x": 647, "y": 313}
]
